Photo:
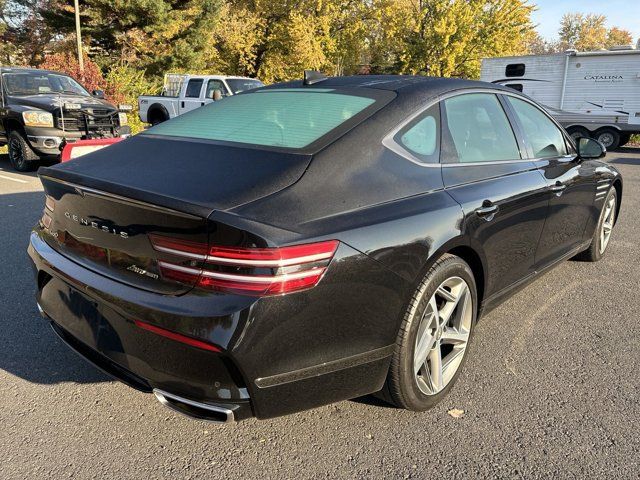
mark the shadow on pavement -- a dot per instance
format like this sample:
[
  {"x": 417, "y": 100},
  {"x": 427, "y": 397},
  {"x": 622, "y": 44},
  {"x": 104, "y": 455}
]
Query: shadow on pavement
[
  {"x": 614, "y": 160},
  {"x": 28, "y": 347},
  {"x": 5, "y": 164}
]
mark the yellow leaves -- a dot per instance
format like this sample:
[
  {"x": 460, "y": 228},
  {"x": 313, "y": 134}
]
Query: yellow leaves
[
  {"x": 277, "y": 39},
  {"x": 449, "y": 37},
  {"x": 589, "y": 32}
]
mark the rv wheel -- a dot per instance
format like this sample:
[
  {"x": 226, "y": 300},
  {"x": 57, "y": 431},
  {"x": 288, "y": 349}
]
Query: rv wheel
[
  {"x": 624, "y": 139},
  {"x": 609, "y": 137},
  {"x": 578, "y": 132}
]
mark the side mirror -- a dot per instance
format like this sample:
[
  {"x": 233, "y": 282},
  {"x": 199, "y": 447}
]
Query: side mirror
[
  {"x": 98, "y": 94},
  {"x": 590, "y": 149}
]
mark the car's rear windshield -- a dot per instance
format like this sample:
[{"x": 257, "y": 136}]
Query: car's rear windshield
[{"x": 291, "y": 118}]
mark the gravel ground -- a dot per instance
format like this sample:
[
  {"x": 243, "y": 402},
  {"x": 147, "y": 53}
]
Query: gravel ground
[{"x": 550, "y": 389}]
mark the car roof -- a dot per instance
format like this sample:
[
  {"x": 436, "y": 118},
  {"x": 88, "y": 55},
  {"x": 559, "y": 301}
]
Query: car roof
[{"x": 396, "y": 83}]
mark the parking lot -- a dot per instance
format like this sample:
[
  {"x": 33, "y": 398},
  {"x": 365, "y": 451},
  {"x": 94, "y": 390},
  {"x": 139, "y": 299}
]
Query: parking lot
[{"x": 550, "y": 389}]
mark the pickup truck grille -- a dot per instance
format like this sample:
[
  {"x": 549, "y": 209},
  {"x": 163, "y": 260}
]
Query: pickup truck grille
[{"x": 91, "y": 119}]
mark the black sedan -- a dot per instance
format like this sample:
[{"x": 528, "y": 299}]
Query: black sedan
[{"x": 313, "y": 241}]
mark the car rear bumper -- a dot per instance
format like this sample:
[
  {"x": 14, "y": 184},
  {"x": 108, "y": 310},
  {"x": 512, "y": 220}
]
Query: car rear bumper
[{"x": 263, "y": 377}]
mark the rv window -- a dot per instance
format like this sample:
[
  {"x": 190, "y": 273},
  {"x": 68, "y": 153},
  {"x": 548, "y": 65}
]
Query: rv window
[
  {"x": 515, "y": 86},
  {"x": 515, "y": 70}
]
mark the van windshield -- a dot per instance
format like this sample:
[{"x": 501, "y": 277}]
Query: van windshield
[{"x": 287, "y": 118}]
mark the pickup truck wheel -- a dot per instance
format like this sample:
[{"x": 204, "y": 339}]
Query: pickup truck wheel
[
  {"x": 156, "y": 117},
  {"x": 21, "y": 156}
]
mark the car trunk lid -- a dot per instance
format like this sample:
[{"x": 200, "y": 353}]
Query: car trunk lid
[{"x": 105, "y": 208}]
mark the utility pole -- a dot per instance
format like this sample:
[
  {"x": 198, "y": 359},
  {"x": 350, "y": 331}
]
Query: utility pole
[{"x": 79, "y": 38}]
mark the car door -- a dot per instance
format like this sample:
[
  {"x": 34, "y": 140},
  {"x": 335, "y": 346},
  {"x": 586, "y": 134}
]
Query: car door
[
  {"x": 502, "y": 194},
  {"x": 192, "y": 93},
  {"x": 570, "y": 182}
]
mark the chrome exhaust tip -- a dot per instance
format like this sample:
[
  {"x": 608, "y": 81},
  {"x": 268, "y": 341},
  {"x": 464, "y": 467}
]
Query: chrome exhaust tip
[{"x": 193, "y": 409}]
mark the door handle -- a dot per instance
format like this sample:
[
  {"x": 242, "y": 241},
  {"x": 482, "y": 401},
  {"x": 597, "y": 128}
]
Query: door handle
[
  {"x": 182, "y": 104},
  {"x": 558, "y": 188},
  {"x": 487, "y": 211}
]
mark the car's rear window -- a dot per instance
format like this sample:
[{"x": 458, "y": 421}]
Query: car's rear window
[{"x": 286, "y": 118}]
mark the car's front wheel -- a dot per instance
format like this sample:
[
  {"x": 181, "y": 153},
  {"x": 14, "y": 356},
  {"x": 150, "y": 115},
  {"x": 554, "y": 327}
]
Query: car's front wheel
[
  {"x": 434, "y": 338},
  {"x": 21, "y": 156}
]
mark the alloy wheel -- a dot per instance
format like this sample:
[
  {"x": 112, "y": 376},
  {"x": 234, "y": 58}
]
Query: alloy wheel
[
  {"x": 609, "y": 217},
  {"x": 443, "y": 336},
  {"x": 16, "y": 155}
]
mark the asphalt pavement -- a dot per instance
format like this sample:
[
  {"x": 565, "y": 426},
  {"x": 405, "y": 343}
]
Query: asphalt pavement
[{"x": 550, "y": 389}]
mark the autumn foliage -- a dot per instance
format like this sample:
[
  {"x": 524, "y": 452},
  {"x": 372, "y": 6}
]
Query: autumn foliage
[{"x": 91, "y": 78}]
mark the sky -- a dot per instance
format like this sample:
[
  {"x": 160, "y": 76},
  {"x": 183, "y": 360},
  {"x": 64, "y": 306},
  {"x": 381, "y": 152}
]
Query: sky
[{"x": 620, "y": 13}]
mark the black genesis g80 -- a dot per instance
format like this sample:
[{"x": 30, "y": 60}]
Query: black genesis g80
[{"x": 313, "y": 241}]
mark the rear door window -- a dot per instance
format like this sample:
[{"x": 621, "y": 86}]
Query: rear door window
[
  {"x": 193, "y": 88},
  {"x": 545, "y": 138},
  {"x": 286, "y": 118},
  {"x": 479, "y": 129}
]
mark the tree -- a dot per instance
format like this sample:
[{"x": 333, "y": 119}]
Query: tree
[
  {"x": 589, "y": 32},
  {"x": 450, "y": 37},
  {"x": 536, "y": 45},
  {"x": 583, "y": 32},
  {"x": 618, "y": 36},
  {"x": 24, "y": 34},
  {"x": 156, "y": 35},
  {"x": 277, "y": 40}
]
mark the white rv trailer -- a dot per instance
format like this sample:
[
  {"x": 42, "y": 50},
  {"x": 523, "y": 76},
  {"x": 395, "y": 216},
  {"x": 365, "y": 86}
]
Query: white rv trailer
[{"x": 594, "y": 94}]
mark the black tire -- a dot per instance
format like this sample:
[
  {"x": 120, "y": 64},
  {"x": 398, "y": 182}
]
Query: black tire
[
  {"x": 609, "y": 137},
  {"x": 21, "y": 156},
  {"x": 624, "y": 139},
  {"x": 577, "y": 132},
  {"x": 595, "y": 251},
  {"x": 401, "y": 387},
  {"x": 156, "y": 116}
]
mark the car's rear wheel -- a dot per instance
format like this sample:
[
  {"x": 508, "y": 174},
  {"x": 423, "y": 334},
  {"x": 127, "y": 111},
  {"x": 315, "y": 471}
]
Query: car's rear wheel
[
  {"x": 156, "y": 117},
  {"x": 21, "y": 156},
  {"x": 434, "y": 339},
  {"x": 602, "y": 235}
]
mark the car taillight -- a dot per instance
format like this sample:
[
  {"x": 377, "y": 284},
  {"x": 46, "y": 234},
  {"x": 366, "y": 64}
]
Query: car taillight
[
  {"x": 49, "y": 207},
  {"x": 49, "y": 203},
  {"x": 247, "y": 271}
]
